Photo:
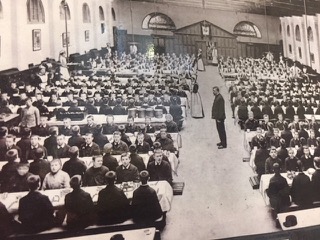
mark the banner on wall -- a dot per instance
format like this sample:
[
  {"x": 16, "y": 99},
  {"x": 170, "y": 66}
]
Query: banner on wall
[{"x": 205, "y": 29}]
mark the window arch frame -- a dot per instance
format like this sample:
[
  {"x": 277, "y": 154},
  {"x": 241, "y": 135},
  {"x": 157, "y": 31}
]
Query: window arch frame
[
  {"x": 102, "y": 17},
  {"x": 249, "y": 29},
  {"x": 35, "y": 11},
  {"x": 167, "y": 23},
  {"x": 113, "y": 13},
  {"x": 280, "y": 29},
  {"x": 310, "y": 34},
  {"x": 86, "y": 15},
  {"x": 297, "y": 33},
  {"x": 62, "y": 10}
]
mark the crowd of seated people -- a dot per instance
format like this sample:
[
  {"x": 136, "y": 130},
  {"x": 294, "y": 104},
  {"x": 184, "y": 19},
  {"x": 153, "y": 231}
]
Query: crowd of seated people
[
  {"x": 40, "y": 155},
  {"x": 96, "y": 95},
  {"x": 271, "y": 100},
  {"x": 298, "y": 139},
  {"x": 271, "y": 87},
  {"x": 36, "y": 212},
  {"x": 114, "y": 62}
]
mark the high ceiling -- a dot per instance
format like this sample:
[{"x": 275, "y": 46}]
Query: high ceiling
[{"x": 270, "y": 7}]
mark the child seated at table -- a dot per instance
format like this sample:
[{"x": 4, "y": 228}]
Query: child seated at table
[
  {"x": 291, "y": 164},
  {"x": 79, "y": 206},
  {"x": 18, "y": 182},
  {"x": 35, "y": 209},
  {"x": 56, "y": 179}
]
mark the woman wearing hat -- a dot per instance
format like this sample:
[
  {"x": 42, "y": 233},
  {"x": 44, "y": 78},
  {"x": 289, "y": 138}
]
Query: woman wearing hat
[{"x": 64, "y": 72}]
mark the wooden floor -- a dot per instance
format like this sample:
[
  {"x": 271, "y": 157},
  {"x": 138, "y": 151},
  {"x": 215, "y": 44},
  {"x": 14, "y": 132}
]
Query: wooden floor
[{"x": 218, "y": 201}]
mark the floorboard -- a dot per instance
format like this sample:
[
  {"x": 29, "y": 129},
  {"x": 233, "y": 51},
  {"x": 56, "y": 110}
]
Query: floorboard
[{"x": 218, "y": 201}]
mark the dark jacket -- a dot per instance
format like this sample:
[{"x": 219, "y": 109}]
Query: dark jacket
[
  {"x": 40, "y": 167},
  {"x": 127, "y": 174},
  {"x": 145, "y": 205},
  {"x": 76, "y": 141},
  {"x": 137, "y": 161},
  {"x": 88, "y": 151},
  {"x": 112, "y": 206},
  {"x": 301, "y": 190},
  {"x": 110, "y": 162},
  {"x": 315, "y": 180},
  {"x": 35, "y": 212},
  {"x": 218, "y": 110},
  {"x": 160, "y": 172},
  {"x": 61, "y": 152},
  {"x": 74, "y": 166},
  {"x": 278, "y": 192},
  {"x": 79, "y": 208}
]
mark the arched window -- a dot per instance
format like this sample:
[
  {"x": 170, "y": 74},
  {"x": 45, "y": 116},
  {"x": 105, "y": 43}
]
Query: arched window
[
  {"x": 113, "y": 13},
  {"x": 280, "y": 28},
  {"x": 86, "y": 13},
  {"x": 64, "y": 9},
  {"x": 288, "y": 31},
  {"x": 247, "y": 29},
  {"x": 310, "y": 34},
  {"x": 1, "y": 11},
  {"x": 35, "y": 11},
  {"x": 298, "y": 35},
  {"x": 158, "y": 21},
  {"x": 101, "y": 14}
]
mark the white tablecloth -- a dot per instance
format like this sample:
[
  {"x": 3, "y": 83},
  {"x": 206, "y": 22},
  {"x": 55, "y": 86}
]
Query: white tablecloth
[{"x": 56, "y": 196}]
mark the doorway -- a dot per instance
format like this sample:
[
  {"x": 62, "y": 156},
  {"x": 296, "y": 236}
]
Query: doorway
[{"x": 159, "y": 45}]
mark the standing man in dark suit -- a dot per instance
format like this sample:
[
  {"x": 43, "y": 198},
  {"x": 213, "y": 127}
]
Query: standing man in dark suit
[{"x": 218, "y": 113}]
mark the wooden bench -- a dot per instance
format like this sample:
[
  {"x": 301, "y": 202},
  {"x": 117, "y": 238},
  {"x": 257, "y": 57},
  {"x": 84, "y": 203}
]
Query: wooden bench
[{"x": 62, "y": 232}]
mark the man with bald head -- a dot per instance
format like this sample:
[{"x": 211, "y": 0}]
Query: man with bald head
[{"x": 218, "y": 113}]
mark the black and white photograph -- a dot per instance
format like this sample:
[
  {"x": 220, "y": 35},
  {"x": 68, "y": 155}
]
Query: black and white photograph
[{"x": 160, "y": 119}]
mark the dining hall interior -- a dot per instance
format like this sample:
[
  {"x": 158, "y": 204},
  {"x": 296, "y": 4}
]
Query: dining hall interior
[{"x": 107, "y": 128}]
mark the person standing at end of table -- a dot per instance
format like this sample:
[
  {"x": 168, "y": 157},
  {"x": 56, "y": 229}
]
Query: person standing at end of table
[{"x": 219, "y": 114}]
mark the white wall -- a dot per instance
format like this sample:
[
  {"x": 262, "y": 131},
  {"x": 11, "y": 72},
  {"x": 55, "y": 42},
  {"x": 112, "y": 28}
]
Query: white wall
[
  {"x": 306, "y": 46},
  {"x": 312, "y": 21},
  {"x": 6, "y": 34},
  {"x": 16, "y": 32},
  {"x": 184, "y": 16}
]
